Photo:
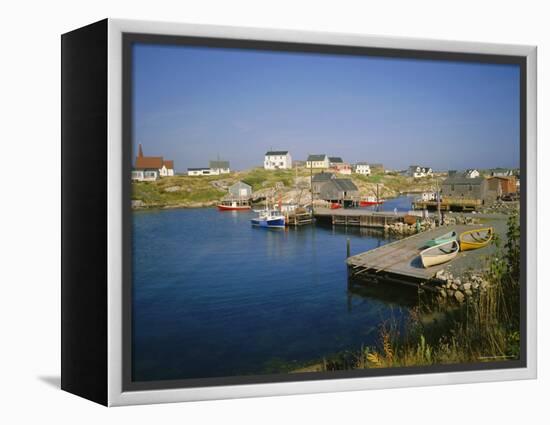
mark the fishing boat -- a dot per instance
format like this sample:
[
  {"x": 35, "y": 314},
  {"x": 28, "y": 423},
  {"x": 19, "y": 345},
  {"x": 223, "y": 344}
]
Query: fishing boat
[
  {"x": 269, "y": 219},
  {"x": 368, "y": 201},
  {"x": 439, "y": 254},
  {"x": 474, "y": 239},
  {"x": 447, "y": 237},
  {"x": 234, "y": 205}
]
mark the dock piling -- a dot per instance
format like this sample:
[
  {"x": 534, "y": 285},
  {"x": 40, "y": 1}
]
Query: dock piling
[{"x": 348, "y": 248}]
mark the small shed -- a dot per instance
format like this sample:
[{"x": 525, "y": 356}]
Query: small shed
[
  {"x": 240, "y": 190},
  {"x": 496, "y": 187}
]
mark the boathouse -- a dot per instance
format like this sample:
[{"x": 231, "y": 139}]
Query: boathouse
[
  {"x": 240, "y": 190},
  {"x": 341, "y": 191},
  {"x": 319, "y": 179},
  {"x": 462, "y": 187}
]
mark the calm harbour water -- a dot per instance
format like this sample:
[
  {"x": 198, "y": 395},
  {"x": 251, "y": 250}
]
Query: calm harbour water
[{"x": 213, "y": 296}]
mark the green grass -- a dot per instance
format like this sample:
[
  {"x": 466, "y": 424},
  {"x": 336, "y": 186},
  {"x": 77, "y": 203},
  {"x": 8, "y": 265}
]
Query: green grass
[
  {"x": 259, "y": 178},
  {"x": 192, "y": 190}
]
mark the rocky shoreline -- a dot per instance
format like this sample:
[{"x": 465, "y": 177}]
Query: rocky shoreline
[
  {"x": 404, "y": 229},
  {"x": 459, "y": 288},
  {"x": 140, "y": 205}
]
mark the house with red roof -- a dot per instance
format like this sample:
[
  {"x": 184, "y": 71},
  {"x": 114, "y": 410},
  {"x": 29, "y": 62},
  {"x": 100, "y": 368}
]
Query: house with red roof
[{"x": 150, "y": 168}]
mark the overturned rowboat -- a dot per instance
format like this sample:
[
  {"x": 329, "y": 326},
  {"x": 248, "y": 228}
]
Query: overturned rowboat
[
  {"x": 439, "y": 254},
  {"x": 474, "y": 239}
]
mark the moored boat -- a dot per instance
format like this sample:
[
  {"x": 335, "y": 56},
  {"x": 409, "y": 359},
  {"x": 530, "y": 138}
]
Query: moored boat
[
  {"x": 474, "y": 239},
  {"x": 447, "y": 237},
  {"x": 439, "y": 254},
  {"x": 234, "y": 205},
  {"x": 368, "y": 201},
  {"x": 269, "y": 219}
]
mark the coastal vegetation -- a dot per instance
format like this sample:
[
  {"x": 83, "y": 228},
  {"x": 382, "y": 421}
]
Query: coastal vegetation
[
  {"x": 485, "y": 327},
  {"x": 200, "y": 191},
  {"x": 176, "y": 191}
]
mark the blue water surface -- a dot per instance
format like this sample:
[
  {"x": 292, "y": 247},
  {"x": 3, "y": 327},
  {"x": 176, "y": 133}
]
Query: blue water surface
[{"x": 214, "y": 296}]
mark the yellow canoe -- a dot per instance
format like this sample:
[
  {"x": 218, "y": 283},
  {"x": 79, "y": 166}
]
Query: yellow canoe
[{"x": 474, "y": 239}]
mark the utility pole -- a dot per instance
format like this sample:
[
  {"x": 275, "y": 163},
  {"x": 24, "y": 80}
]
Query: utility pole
[
  {"x": 438, "y": 202},
  {"x": 311, "y": 185}
]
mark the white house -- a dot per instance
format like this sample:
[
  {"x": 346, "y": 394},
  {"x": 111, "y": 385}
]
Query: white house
[
  {"x": 318, "y": 161},
  {"x": 417, "y": 171},
  {"x": 145, "y": 175},
  {"x": 471, "y": 174},
  {"x": 277, "y": 160},
  {"x": 362, "y": 168},
  {"x": 204, "y": 171},
  {"x": 219, "y": 167}
]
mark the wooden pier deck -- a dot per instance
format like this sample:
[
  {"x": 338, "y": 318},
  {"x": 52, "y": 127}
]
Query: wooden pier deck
[
  {"x": 359, "y": 217},
  {"x": 451, "y": 204},
  {"x": 400, "y": 261}
]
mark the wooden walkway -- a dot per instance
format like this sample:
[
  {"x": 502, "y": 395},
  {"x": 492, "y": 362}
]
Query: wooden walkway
[
  {"x": 400, "y": 260},
  {"x": 463, "y": 205},
  {"x": 358, "y": 217}
]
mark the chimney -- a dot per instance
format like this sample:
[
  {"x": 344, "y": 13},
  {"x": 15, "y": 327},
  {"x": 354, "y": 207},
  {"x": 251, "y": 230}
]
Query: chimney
[{"x": 140, "y": 151}]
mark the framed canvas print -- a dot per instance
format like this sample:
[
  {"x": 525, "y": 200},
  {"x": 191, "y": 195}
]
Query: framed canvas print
[{"x": 251, "y": 212}]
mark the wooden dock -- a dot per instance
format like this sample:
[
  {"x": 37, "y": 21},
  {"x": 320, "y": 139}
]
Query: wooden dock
[
  {"x": 358, "y": 217},
  {"x": 399, "y": 261},
  {"x": 450, "y": 204},
  {"x": 298, "y": 219}
]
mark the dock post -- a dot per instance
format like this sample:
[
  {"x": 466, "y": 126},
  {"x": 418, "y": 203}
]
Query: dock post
[{"x": 348, "y": 248}]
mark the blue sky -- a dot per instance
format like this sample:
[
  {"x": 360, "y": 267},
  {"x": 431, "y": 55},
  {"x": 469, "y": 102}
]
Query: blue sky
[{"x": 192, "y": 104}]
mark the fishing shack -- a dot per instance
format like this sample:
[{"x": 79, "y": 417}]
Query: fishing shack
[{"x": 339, "y": 191}]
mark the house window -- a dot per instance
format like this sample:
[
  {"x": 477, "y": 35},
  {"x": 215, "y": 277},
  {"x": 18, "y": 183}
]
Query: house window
[
  {"x": 452, "y": 188},
  {"x": 470, "y": 187}
]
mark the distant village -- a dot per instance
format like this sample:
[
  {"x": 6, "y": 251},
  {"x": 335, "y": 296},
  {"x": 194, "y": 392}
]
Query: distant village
[{"x": 465, "y": 190}]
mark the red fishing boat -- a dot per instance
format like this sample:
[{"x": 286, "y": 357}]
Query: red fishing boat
[
  {"x": 234, "y": 205},
  {"x": 369, "y": 201}
]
